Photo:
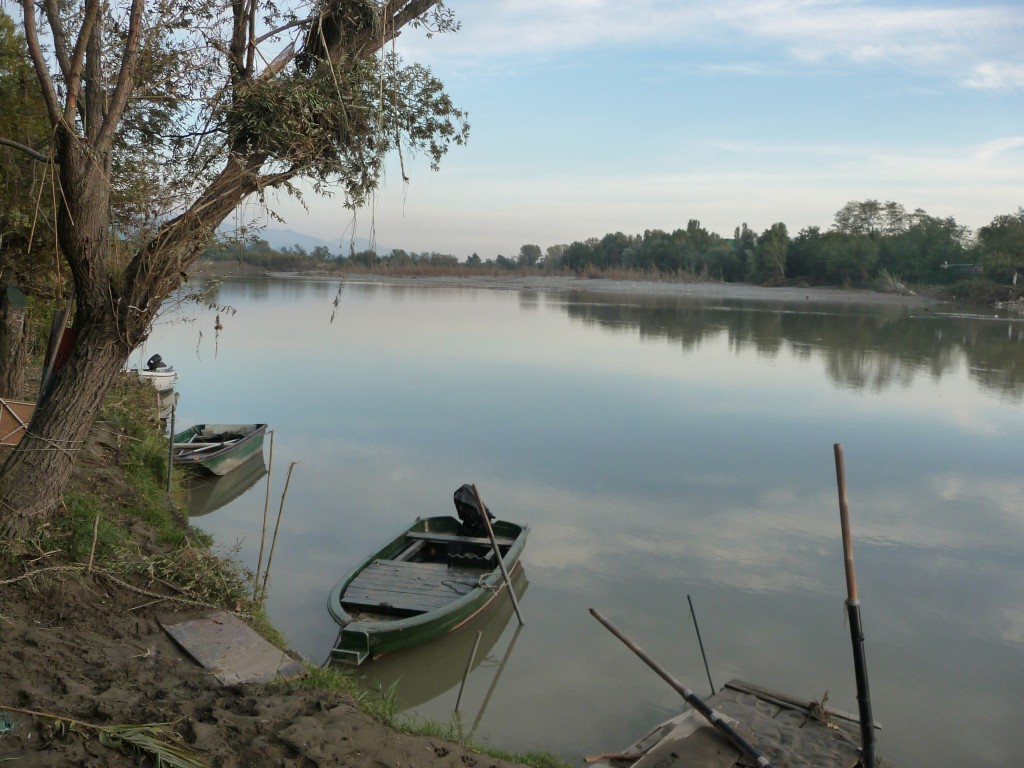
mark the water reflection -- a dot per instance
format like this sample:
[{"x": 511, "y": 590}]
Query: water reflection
[
  {"x": 207, "y": 493},
  {"x": 419, "y": 675},
  {"x": 862, "y": 350}
]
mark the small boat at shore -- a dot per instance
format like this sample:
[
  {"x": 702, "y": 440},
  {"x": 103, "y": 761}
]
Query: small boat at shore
[
  {"x": 429, "y": 580},
  {"x": 218, "y": 448},
  {"x": 157, "y": 373},
  {"x": 786, "y": 730}
]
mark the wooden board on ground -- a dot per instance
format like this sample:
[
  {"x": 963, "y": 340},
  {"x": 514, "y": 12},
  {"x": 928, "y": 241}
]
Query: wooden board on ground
[
  {"x": 232, "y": 651},
  {"x": 14, "y": 418}
]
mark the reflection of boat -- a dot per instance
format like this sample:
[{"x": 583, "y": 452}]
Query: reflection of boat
[
  {"x": 218, "y": 448},
  {"x": 157, "y": 373},
  {"x": 787, "y": 731},
  {"x": 165, "y": 403},
  {"x": 426, "y": 582},
  {"x": 423, "y": 673},
  {"x": 207, "y": 493}
]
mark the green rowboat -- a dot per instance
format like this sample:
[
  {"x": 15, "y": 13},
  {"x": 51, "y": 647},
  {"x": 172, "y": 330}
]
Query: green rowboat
[
  {"x": 426, "y": 582},
  {"x": 218, "y": 448}
]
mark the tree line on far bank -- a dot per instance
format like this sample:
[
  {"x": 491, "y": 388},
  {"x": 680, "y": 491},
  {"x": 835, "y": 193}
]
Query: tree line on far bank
[{"x": 869, "y": 244}]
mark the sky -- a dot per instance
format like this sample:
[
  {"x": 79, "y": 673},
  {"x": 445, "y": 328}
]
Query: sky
[{"x": 597, "y": 116}]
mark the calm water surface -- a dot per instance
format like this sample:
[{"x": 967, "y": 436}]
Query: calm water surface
[{"x": 659, "y": 447}]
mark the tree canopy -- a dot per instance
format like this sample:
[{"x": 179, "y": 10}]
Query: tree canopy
[{"x": 162, "y": 116}]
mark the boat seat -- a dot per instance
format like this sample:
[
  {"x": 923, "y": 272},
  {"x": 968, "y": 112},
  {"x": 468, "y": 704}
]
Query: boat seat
[{"x": 503, "y": 541}]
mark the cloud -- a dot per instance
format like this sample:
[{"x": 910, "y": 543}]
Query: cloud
[
  {"x": 995, "y": 149},
  {"x": 995, "y": 76},
  {"x": 976, "y": 46}
]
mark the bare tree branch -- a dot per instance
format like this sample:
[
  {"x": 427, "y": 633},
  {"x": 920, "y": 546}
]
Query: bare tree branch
[
  {"x": 60, "y": 37},
  {"x": 251, "y": 54},
  {"x": 27, "y": 150},
  {"x": 74, "y": 79},
  {"x": 285, "y": 27},
  {"x": 400, "y": 16},
  {"x": 125, "y": 77},
  {"x": 35, "y": 51}
]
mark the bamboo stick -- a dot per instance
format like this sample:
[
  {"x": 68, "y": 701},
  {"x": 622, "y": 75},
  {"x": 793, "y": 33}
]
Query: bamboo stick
[
  {"x": 266, "y": 505},
  {"x": 497, "y": 553},
  {"x": 277, "y": 525},
  {"x": 860, "y": 665}
]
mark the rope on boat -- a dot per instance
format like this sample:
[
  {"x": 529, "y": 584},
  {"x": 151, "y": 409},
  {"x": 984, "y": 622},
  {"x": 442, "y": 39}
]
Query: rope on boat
[{"x": 452, "y": 583}]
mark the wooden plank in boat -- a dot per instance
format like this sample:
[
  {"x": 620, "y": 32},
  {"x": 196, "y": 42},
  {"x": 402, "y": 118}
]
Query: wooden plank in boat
[{"x": 406, "y": 587}]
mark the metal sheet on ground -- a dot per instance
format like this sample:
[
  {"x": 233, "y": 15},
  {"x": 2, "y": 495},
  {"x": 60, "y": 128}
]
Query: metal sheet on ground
[{"x": 231, "y": 650}]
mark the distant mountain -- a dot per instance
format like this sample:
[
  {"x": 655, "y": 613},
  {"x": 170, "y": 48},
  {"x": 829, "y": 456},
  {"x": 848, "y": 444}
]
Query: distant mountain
[{"x": 289, "y": 238}]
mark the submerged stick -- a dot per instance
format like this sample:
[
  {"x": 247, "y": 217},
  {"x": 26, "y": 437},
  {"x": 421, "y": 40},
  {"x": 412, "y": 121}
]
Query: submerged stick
[
  {"x": 701, "y": 644},
  {"x": 277, "y": 525},
  {"x": 469, "y": 666},
  {"x": 720, "y": 724},
  {"x": 860, "y": 665},
  {"x": 497, "y": 553},
  {"x": 494, "y": 680}
]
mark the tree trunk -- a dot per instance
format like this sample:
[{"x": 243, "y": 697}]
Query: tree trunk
[
  {"x": 13, "y": 345},
  {"x": 34, "y": 476},
  {"x": 39, "y": 468}
]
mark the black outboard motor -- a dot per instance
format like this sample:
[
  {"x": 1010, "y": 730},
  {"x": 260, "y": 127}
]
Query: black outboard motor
[
  {"x": 469, "y": 512},
  {"x": 154, "y": 362}
]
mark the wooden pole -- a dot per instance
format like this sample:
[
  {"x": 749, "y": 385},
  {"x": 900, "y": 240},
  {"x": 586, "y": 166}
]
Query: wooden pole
[
  {"x": 721, "y": 724},
  {"x": 867, "y": 724},
  {"x": 170, "y": 449},
  {"x": 497, "y": 552},
  {"x": 266, "y": 505},
  {"x": 844, "y": 523},
  {"x": 280, "y": 509}
]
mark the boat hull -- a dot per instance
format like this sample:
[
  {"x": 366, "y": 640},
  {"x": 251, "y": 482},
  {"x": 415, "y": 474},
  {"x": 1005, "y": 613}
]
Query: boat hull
[
  {"x": 361, "y": 639},
  {"x": 221, "y": 459},
  {"x": 162, "y": 380}
]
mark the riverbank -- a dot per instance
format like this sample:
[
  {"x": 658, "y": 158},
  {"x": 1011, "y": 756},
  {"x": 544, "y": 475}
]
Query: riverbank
[
  {"x": 84, "y": 646},
  {"x": 709, "y": 290},
  {"x": 538, "y": 282}
]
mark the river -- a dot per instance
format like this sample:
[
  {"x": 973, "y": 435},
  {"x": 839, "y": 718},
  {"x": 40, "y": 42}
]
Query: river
[{"x": 660, "y": 446}]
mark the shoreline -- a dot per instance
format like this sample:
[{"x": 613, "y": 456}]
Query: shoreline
[{"x": 555, "y": 283}]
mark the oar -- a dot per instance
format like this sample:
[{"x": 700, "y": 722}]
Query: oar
[
  {"x": 860, "y": 665},
  {"x": 721, "y": 724},
  {"x": 497, "y": 552}
]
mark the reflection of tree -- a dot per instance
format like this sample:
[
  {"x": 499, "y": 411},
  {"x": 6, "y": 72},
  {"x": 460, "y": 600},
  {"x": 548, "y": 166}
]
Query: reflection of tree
[{"x": 862, "y": 348}]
